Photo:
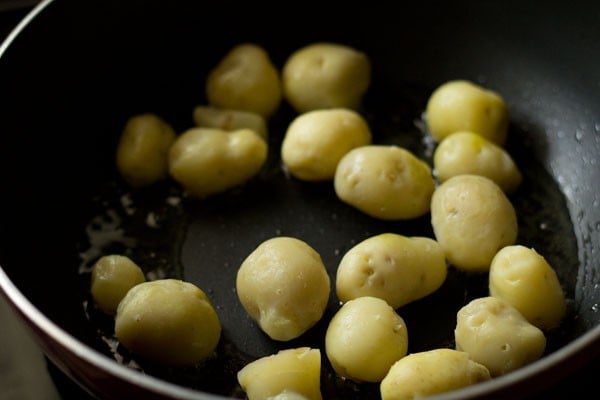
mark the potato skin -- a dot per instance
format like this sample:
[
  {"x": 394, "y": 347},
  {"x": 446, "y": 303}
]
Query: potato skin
[
  {"x": 284, "y": 286},
  {"x": 472, "y": 219},
  {"x": 229, "y": 120},
  {"x": 523, "y": 278},
  {"x": 496, "y": 335},
  {"x": 395, "y": 268},
  {"x": 431, "y": 372}
]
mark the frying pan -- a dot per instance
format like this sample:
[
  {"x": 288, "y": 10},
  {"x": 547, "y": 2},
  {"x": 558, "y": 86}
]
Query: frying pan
[{"x": 73, "y": 72}]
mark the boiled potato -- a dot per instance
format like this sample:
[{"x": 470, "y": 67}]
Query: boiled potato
[
  {"x": 112, "y": 277},
  {"x": 168, "y": 321},
  {"x": 496, "y": 335},
  {"x": 229, "y": 120},
  {"x": 364, "y": 338},
  {"x": 245, "y": 79},
  {"x": 431, "y": 372},
  {"x": 385, "y": 182},
  {"x": 284, "y": 286},
  {"x": 326, "y": 75},
  {"x": 207, "y": 161},
  {"x": 469, "y": 153},
  {"x": 315, "y": 142},
  {"x": 395, "y": 268},
  {"x": 472, "y": 219},
  {"x": 461, "y": 105},
  {"x": 143, "y": 149},
  {"x": 291, "y": 374},
  {"x": 523, "y": 278}
]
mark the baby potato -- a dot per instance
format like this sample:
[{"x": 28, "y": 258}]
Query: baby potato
[
  {"x": 207, "y": 161},
  {"x": 523, "y": 278},
  {"x": 496, "y": 334},
  {"x": 431, "y": 372},
  {"x": 395, "y": 268},
  {"x": 291, "y": 374},
  {"x": 143, "y": 148},
  {"x": 472, "y": 219},
  {"x": 284, "y": 286},
  {"x": 168, "y": 321},
  {"x": 229, "y": 120},
  {"x": 469, "y": 153},
  {"x": 112, "y": 277},
  {"x": 385, "y": 182},
  {"x": 364, "y": 338},
  {"x": 315, "y": 142},
  {"x": 325, "y": 75},
  {"x": 461, "y": 105},
  {"x": 245, "y": 79}
]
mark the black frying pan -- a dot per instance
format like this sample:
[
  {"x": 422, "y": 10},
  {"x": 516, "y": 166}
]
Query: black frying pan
[{"x": 78, "y": 70}]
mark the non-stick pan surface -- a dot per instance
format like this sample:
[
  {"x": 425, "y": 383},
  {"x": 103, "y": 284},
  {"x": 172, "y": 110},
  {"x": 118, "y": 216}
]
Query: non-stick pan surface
[{"x": 78, "y": 70}]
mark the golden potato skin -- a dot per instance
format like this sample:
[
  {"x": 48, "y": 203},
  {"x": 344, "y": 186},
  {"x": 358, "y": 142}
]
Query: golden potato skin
[
  {"x": 143, "y": 149},
  {"x": 522, "y": 277},
  {"x": 496, "y": 335},
  {"x": 431, "y": 372},
  {"x": 289, "y": 374},
  {"x": 461, "y": 105},
  {"x": 315, "y": 142},
  {"x": 395, "y": 268},
  {"x": 229, "y": 120},
  {"x": 284, "y": 286},
  {"x": 326, "y": 75},
  {"x": 384, "y": 181},
  {"x": 364, "y": 338},
  {"x": 472, "y": 219},
  {"x": 168, "y": 321}
]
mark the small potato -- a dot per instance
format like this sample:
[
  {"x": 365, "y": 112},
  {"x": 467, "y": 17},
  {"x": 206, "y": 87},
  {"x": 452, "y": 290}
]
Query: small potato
[
  {"x": 284, "y": 286},
  {"x": 229, "y": 120},
  {"x": 326, "y": 75},
  {"x": 207, "y": 161},
  {"x": 385, "y": 182},
  {"x": 395, "y": 268},
  {"x": 168, "y": 321},
  {"x": 523, "y": 278},
  {"x": 472, "y": 219},
  {"x": 143, "y": 150},
  {"x": 461, "y": 105},
  {"x": 112, "y": 277},
  {"x": 315, "y": 142},
  {"x": 364, "y": 338},
  {"x": 431, "y": 372},
  {"x": 245, "y": 79},
  {"x": 469, "y": 153},
  {"x": 496, "y": 334},
  {"x": 292, "y": 374}
]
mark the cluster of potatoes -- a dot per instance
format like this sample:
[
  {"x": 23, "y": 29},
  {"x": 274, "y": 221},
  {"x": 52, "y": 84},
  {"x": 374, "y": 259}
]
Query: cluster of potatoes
[{"x": 284, "y": 285}]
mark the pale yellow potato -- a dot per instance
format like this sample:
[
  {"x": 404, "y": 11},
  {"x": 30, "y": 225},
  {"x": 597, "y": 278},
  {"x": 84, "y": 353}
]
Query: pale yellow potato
[
  {"x": 326, "y": 75},
  {"x": 206, "y": 161},
  {"x": 384, "y": 181},
  {"x": 523, "y": 278},
  {"x": 291, "y": 374},
  {"x": 431, "y": 372},
  {"x": 364, "y": 338},
  {"x": 472, "y": 219},
  {"x": 461, "y": 105},
  {"x": 168, "y": 321},
  {"x": 284, "y": 286},
  {"x": 395, "y": 268},
  {"x": 316, "y": 141},
  {"x": 245, "y": 79},
  {"x": 143, "y": 149},
  {"x": 469, "y": 153},
  {"x": 229, "y": 120},
  {"x": 496, "y": 335},
  {"x": 112, "y": 277}
]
